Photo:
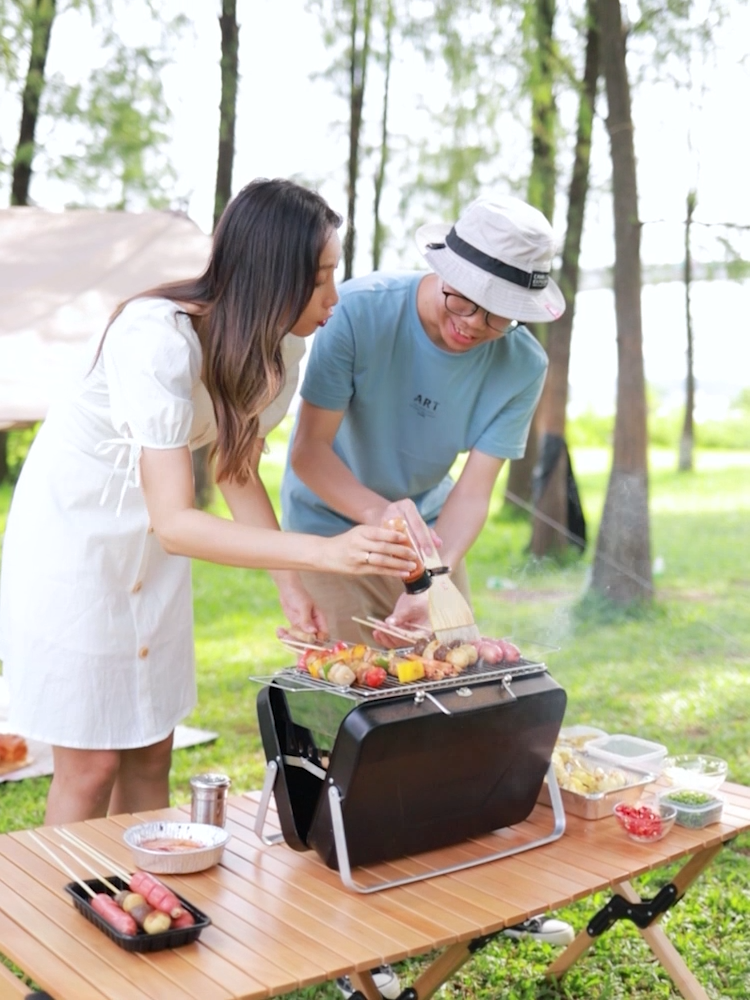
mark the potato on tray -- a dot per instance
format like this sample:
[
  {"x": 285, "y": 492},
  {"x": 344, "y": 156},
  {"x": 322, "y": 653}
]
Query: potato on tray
[{"x": 575, "y": 774}]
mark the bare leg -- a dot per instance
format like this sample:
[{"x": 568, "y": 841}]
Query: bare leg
[
  {"x": 81, "y": 784},
  {"x": 143, "y": 779}
]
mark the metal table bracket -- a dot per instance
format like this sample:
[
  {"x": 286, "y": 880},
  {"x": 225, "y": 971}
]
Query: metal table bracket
[{"x": 642, "y": 914}]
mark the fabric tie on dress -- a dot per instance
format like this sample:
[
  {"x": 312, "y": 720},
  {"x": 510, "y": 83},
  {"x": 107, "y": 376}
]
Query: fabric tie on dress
[{"x": 131, "y": 448}]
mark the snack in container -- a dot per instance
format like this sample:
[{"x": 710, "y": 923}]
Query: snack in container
[
  {"x": 628, "y": 751},
  {"x": 578, "y": 736},
  {"x": 175, "y": 937},
  {"x": 590, "y": 787},
  {"x": 695, "y": 808},
  {"x": 646, "y": 820},
  {"x": 164, "y": 847}
]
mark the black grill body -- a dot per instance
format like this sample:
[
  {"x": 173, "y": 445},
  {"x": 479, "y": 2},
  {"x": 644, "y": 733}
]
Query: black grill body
[{"x": 414, "y": 773}]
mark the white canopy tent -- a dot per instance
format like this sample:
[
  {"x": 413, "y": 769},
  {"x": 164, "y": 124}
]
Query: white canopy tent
[{"x": 61, "y": 275}]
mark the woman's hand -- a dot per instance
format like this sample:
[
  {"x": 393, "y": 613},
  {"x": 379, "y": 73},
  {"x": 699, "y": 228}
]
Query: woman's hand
[
  {"x": 306, "y": 619},
  {"x": 422, "y": 534},
  {"x": 364, "y": 550},
  {"x": 410, "y": 611}
]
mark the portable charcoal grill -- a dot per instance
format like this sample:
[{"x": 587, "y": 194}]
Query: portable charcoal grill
[{"x": 363, "y": 775}]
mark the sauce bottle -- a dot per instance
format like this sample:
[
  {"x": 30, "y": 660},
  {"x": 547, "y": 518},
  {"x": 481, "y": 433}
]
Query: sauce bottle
[{"x": 419, "y": 580}]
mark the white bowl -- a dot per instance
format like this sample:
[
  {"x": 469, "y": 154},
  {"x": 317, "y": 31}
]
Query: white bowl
[
  {"x": 174, "y": 857},
  {"x": 695, "y": 770}
]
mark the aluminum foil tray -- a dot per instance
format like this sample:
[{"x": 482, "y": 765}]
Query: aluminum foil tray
[{"x": 598, "y": 805}]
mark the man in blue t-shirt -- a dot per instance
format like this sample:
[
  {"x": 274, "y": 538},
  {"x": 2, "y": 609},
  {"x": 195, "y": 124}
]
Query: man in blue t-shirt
[{"x": 411, "y": 371}]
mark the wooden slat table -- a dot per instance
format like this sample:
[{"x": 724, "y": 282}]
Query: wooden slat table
[{"x": 282, "y": 920}]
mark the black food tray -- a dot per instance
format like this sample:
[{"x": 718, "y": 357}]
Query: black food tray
[{"x": 173, "y": 938}]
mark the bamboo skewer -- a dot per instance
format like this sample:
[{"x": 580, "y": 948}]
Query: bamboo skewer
[
  {"x": 397, "y": 633},
  {"x": 418, "y": 630},
  {"x": 298, "y": 645},
  {"x": 105, "y": 881},
  {"x": 61, "y": 864},
  {"x": 93, "y": 853}
]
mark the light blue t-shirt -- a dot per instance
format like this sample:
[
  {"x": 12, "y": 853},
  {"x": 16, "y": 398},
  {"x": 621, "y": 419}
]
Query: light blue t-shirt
[{"x": 409, "y": 407}]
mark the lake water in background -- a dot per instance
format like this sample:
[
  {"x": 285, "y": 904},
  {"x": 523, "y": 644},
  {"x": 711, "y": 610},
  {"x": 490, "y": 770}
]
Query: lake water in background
[{"x": 721, "y": 338}]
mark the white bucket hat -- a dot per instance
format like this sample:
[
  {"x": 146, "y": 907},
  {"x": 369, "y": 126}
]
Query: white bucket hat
[{"x": 499, "y": 255}]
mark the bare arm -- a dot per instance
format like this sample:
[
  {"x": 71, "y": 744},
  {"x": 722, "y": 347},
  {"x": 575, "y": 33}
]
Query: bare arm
[
  {"x": 251, "y": 505},
  {"x": 320, "y": 469},
  {"x": 167, "y": 482}
]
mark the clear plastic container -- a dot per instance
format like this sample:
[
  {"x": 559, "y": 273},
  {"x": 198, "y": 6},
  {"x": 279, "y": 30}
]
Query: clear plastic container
[
  {"x": 695, "y": 808},
  {"x": 578, "y": 736},
  {"x": 628, "y": 751}
]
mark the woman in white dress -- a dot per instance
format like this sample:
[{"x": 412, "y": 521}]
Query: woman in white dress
[{"x": 96, "y": 617}]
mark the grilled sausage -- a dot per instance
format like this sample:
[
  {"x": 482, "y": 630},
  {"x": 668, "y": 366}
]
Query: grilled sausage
[
  {"x": 116, "y": 917},
  {"x": 156, "y": 893},
  {"x": 511, "y": 653},
  {"x": 186, "y": 920},
  {"x": 490, "y": 651}
]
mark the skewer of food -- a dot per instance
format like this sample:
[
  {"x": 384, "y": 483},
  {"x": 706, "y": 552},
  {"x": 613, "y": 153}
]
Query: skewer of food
[
  {"x": 145, "y": 892},
  {"x": 347, "y": 664}
]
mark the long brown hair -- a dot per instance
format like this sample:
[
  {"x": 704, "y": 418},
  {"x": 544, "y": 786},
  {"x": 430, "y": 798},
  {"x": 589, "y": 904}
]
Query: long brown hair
[{"x": 261, "y": 274}]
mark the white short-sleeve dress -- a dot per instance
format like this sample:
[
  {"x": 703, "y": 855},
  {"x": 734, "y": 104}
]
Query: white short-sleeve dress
[{"x": 96, "y": 619}]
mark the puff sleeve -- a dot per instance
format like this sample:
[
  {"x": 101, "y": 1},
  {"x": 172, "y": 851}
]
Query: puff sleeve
[{"x": 151, "y": 358}]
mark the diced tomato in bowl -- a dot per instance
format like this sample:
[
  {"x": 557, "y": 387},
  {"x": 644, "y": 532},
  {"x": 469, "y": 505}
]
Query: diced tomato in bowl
[{"x": 645, "y": 822}]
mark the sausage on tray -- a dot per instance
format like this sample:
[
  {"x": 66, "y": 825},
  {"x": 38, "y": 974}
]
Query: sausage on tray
[
  {"x": 156, "y": 893},
  {"x": 116, "y": 917}
]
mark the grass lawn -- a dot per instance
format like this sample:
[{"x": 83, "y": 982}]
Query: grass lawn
[{"x": 677, "y": 672}]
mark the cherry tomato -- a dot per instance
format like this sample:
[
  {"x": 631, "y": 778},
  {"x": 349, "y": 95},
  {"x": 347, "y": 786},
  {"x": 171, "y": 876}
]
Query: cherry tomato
[{"x": 641, "y": 821}]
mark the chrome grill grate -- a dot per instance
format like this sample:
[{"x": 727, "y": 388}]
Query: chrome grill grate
[{"x": 293, "y": 679}]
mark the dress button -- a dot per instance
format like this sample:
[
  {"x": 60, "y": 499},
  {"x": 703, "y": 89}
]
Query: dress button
[
  {"x": 143, "y": 652},
  {"x": 137, "y": 587},
  {"x": 150, "y": 529}
]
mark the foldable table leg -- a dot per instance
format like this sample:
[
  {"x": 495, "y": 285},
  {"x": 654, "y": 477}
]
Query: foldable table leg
[
  {"x": 438, "y": 971},
  {"x": 655, "y": 937},
  {"x": 364, "y": 982}
]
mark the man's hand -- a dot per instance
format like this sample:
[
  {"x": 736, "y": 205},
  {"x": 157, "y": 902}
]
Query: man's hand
[{"x": 411, "y": 611}]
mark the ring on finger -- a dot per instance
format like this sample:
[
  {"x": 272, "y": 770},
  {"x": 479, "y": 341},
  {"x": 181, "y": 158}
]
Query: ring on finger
[{"x": 367, "y": 558}]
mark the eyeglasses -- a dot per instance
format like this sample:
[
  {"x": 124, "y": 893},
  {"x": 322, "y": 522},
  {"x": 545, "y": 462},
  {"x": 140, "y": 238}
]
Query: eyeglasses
[{"x": 458, "y": 305}]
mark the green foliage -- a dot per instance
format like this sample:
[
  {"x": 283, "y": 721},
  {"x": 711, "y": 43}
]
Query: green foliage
[
  {"x": 590, "y": 430},
  {"x": 119, "y": 158},
  {"x": 19, "y": 442}
]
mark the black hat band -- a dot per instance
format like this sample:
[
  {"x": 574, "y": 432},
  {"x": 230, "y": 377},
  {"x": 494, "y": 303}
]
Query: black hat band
[{"x": 526, "y": 279}]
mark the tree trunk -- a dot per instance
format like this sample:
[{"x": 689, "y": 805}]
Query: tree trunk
[
  {"x": 41, "y": 28},
  {"x": 230, "y": 44},
  {"x": 541, "y": 193},
  {"x": 378, "y": 228},
  {"x": 227, "y": 105},
  {"x": 357, "y": 75},
  {"x": 685, "y": 463},
  {"x": 622, "y": 567},
  {"x": 551, "y": 530}
]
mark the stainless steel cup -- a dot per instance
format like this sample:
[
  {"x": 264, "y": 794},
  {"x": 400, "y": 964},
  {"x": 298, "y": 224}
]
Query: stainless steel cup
[{"x": 209, "y": 798}]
